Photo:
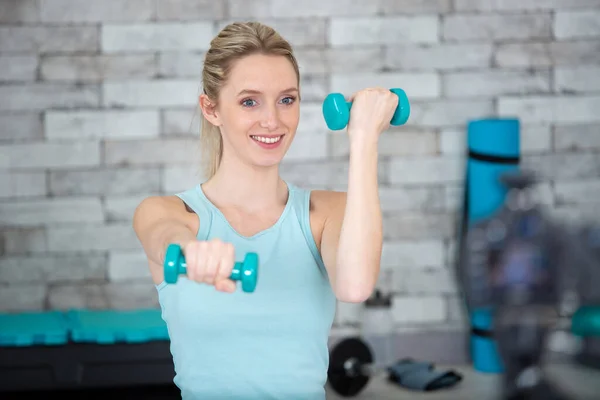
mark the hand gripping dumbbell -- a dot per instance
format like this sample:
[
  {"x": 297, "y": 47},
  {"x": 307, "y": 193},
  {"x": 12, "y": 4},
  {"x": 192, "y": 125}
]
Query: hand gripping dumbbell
[
  {"x": 246, "y": 271},
  {"x": 336, "y": 110}
]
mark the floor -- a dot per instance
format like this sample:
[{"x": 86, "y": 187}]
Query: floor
[{"x": 579, "y": 383}]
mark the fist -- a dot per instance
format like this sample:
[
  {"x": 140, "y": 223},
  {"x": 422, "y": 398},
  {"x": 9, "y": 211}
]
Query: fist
[
  {"x": 211, "y": 262},
  {"x": 372, "y": 111}
]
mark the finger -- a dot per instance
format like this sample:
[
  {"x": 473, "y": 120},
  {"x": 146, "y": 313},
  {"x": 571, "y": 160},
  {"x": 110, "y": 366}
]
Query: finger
[
  {"x": 196, "y": 272},
  {"x": 225, "y": 285},
  {"x": 212, "y": 262},
  {"x": 352, "y": 96},
  {"x": 227, "y": 261}
]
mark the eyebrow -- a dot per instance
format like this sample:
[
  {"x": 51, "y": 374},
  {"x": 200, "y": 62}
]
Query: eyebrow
[{"x": 253, "y": 91}]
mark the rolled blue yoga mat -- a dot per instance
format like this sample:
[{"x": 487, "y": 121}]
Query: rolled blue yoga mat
[{"x": 493, "y": 149}]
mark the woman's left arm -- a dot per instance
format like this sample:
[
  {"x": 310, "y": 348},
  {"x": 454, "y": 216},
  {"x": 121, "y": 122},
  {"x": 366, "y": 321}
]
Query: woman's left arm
[{"x": 352, "y": 236}]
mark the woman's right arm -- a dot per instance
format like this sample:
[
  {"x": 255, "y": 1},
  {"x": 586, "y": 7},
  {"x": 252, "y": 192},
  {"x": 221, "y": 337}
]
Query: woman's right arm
[{"x": 159, "y": 221}]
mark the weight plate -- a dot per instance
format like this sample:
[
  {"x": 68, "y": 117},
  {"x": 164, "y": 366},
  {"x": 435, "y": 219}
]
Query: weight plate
[{"x": 339, "y": 379}]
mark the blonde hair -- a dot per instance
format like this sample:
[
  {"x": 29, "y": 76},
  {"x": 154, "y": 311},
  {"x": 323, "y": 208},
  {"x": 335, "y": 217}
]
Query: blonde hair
[{"x": 235, "y": 41}]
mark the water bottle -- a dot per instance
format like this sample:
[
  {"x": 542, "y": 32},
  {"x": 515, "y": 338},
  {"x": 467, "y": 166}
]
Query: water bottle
[{"x": 377, "y": 328}]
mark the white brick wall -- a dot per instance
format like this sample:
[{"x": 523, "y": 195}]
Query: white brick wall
[{"x": 97, "y": 111}]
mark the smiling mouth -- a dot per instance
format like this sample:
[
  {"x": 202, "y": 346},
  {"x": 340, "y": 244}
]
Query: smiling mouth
[{"x": 267, "y": 139}]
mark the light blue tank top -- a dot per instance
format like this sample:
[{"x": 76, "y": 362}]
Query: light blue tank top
[{"x": 269, "y": 344}]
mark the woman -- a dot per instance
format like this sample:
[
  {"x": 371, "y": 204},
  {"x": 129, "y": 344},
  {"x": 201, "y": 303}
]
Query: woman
[{"x": 314, "y": 247}]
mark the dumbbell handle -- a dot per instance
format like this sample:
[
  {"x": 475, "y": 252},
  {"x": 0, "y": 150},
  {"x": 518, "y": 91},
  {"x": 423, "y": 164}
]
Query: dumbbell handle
[{"x": 246, "y": 272}]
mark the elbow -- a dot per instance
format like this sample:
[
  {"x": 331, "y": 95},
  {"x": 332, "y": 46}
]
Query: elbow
[{"x": 354, "y": 293}]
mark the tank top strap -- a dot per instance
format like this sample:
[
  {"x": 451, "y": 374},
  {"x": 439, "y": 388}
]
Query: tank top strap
[
  {"x": 192, "y": 198},
  {"x": 301, "y": 203}
]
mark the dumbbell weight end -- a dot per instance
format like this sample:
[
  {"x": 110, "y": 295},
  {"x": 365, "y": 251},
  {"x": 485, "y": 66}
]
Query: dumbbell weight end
[{"x": 245, "y": 272}]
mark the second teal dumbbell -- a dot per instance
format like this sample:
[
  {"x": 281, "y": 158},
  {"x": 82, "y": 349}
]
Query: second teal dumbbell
[
  {"x": 245, "y": 272},
  {"x": 336, "y": 110}
]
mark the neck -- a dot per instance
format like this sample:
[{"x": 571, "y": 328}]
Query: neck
[{"x": 250, "y": 188}]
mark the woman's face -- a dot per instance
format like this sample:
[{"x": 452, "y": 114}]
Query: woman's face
[{"x": 258, "y": 110}]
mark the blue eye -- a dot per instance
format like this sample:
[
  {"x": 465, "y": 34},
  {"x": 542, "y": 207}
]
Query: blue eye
[
  {"x": 245, "y": 103},
  {"x": 290, "y": 100}
]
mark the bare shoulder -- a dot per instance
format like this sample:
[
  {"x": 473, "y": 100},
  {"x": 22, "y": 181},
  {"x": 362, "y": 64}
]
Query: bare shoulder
[
  {"x": 153, "y": 209},
  {"x": 325, "y": 205}
]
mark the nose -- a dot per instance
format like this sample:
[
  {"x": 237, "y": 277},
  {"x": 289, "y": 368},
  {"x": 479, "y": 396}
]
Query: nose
[{"x": 270, "y": 118}]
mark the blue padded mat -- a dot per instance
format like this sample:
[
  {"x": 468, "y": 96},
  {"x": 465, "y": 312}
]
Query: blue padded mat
[
  {"x": 33, "y": 328},
  {"x": 108, "y": 327}
]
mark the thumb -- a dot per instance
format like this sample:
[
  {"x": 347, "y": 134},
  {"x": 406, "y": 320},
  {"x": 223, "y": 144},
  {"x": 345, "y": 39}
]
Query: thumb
[{"x": 225, "y": 285}]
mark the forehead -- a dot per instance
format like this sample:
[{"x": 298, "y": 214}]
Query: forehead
[{"x": 262, "y": 72}]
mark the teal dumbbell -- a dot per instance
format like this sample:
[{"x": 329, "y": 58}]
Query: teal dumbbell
[
  {"x": 246, "y": 271},
  {"x": 336, "y": 110}
]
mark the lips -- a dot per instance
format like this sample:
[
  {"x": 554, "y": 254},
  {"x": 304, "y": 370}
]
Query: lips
[{"x": 267, "y": 141}]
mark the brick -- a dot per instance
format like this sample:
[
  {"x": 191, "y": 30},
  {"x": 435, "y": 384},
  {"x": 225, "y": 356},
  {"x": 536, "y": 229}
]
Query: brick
[
  {"x": 87, "y": 237},
  {"x": 557, "y": 166},
  {"x": 181, "y": 122},
  {"x": 517, "y": 5},
  {"x": 442, "y": 113},
  {"x": 577, "y": 24},
  {"x": 151, "y": 152},
  {"x": 22, "y": 297},
  {"x": 128, "y": 265},
  {"x": 495, "y": 83},
  {"x": 18, "y": 68},
  {"x": 178, "y": 178},
  {"x": 545, "y": 109},
  {"x": 17, "y": 127},
  {"x": 49, "y": 39},
  {"x": 297, "y": 31},
  {"x": 415, "y": 6},
  {"x": 424, "y": 253},
  {"x": 80, "y": 11},
  {"x": 577, "y": 192},
  {"x": 41, "y": 96},
  {"x": 22, "y": 240},
  {"x": 156, "y": 37},
  {"x": 576, "y": 215},
  {"x": 424, "y": 225},
  {"x": 427, "y": 170},
  {"x": 311, "y": 119},
  {"x": 426, "y": 282},
  {"x": 340, "y": 59},
  {"x": 115, "y": 296},
  {"x": 183, "y": 10},
  {"x": 418, "y": 309},
  {"x": 309, "y": 8},
  {"x": 542, "y": 54},
  {"x": 52, "y": 268},
  {"x": 102, "y": 124},
  {"x": 22, "y": 184},
  {"x": 181, "y": 64},
  {"x": 51, "y": 211},
  {"x": 457, "y": 310},
  {"x": 50, "y": 155},
  {"x": 497, "y": 27},
  {"x": 104, "y": 181},
  {"x": 19, "y": 11},
  {"x": 308, "y": 146},
  {"x": 402, "y": 142},
  {"x": 440, "y": 57},
  {"x": 314, "y": 87},
  {"x": 577, "y": 79},
  {"x": 577, "y": 137},
  {"x": 122, "y": 208},
  {"x": 453, "y": 197},
  {"x": 98, "y": 68},
  {"x": 383, "y": 30},
  {"x": 411, "y": 198},
  {"x": 159, "y": 93},
  {"x": 418, "y": 85}
]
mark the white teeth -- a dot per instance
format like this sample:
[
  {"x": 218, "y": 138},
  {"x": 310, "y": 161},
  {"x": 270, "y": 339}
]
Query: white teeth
[{"x": 266, "y": 140}]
